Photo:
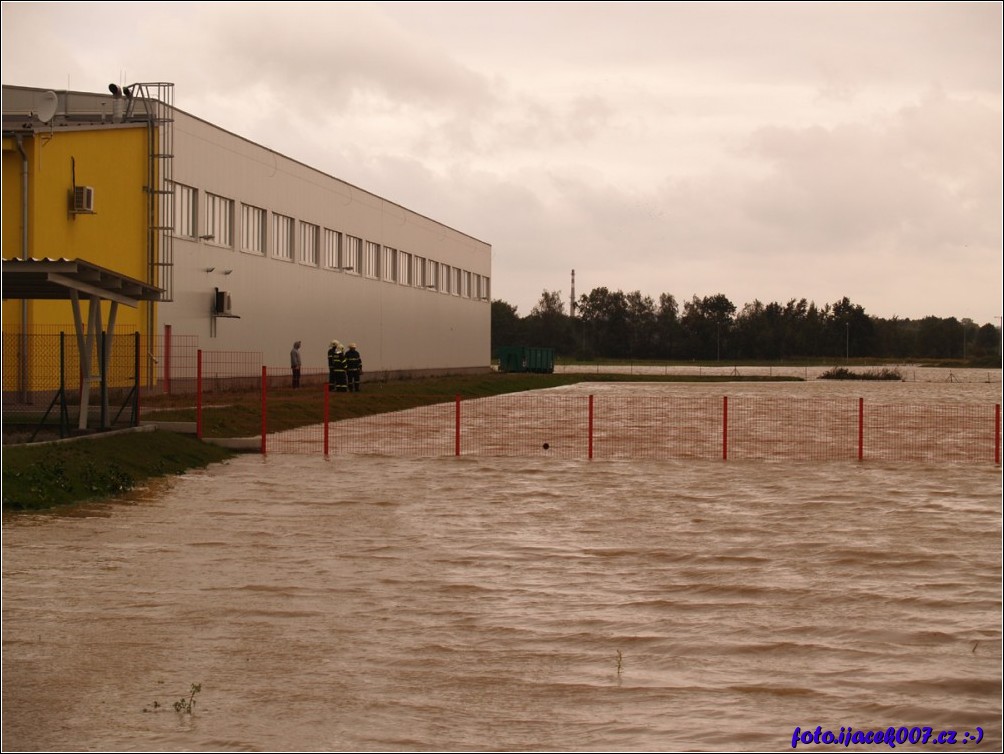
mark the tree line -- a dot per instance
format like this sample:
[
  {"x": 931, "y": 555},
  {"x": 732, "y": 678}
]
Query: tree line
[{"x": 618, "y": 325}]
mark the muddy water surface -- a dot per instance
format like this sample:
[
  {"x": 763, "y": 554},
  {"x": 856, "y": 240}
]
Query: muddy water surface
[{"x": 371, "y": 602}]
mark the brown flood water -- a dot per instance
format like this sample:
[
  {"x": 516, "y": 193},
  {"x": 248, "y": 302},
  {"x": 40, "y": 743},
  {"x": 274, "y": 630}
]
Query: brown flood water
[{"x": 379, "y": 603}]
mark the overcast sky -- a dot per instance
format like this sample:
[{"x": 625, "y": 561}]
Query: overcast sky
[{"x": 761, "y": 150}]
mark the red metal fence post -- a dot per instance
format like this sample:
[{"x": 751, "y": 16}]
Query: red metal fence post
[
  {"x": 264, "y": 406},
  {"x": 198, "y": 393},
  {"x": 861, "y": 429},
  {"x": 456, "y": 432},
  {"x": 725, "y": 428},
  {"x": 327, "y": 415},
  {"x": 590, "y": 428}
]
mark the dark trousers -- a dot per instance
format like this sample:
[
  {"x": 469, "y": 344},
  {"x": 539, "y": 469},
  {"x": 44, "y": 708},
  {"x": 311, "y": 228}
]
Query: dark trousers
[
  {"x": 353, "y": 381},
  {"x": 296, "y": 376}
]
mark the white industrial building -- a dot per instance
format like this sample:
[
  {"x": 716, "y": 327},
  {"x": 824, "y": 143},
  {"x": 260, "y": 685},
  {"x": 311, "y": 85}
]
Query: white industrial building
[{"x": 259, "y": 250}]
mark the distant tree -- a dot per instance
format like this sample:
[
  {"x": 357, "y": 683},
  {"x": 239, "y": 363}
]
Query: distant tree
[
  {"x": 641, "y": 321},
  {"x": 939, "y": 338},
  {"x": 893, "y": 337},
  {"x": 667, "y": 326},
  {"x": 798, "y": 336},
  {"x": 988, "y": 342},
  {"x": 604, "y": 318},
  {"x": 616, "y": 325},
  {"x": 548, "y": 325},
  {"x": 506, "y": 325},
  {"x": 815, "y": 326},
  {"x": 551, "y": 304},
  {"x": 707, "y": 325},
  {"x": 759, "y": 331},
  {"x": 849, "y": 330},
  {"x": 969, "y": 332}
]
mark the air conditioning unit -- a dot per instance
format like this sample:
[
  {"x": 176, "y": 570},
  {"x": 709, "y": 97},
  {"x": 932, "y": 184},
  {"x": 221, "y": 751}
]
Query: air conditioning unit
[
  {"x": 223, "y": 304},
  {"x": 83, "y": 198}
]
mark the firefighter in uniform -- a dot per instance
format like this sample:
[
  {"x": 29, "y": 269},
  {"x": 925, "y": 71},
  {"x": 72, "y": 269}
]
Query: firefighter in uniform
[
  {"x": 353, "y": 367},
  {"x": 336, "y": 367}
]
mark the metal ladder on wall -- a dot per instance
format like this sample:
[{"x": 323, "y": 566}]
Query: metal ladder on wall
[{"x": 154, "y": 103}]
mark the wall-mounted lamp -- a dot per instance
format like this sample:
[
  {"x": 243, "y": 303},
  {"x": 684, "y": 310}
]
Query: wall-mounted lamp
[
  {"x": 350, "y": 268},
  {"x": 210, "y": 269},
  {"x": 227, "y": 272},
  {"x": 207, "y": 237}
]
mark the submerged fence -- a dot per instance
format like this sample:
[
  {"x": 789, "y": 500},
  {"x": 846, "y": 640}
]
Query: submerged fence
[
  {"x": 658, "y": 427},
  {"x": 558, "y": 424}
]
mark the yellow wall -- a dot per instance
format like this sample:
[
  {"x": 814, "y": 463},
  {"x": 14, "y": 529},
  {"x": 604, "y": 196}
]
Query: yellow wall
[{"x": 114, "y": 162}]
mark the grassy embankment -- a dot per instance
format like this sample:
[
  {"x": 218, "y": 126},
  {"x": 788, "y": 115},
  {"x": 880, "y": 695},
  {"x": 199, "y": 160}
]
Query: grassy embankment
[
  {"x": 46, "y": 475},
  {"x": 42, "y": 476}
]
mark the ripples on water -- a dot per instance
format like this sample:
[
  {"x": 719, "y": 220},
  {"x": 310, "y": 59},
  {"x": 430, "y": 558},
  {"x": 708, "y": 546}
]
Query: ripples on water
[{"x": 481, "y": 603}]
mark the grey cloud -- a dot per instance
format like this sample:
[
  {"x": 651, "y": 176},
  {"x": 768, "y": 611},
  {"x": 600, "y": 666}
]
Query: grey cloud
[
  {"x": 915, "y": 179},
  {"x": 336, "y": 52},
  {"x": 758, "y": 149}
]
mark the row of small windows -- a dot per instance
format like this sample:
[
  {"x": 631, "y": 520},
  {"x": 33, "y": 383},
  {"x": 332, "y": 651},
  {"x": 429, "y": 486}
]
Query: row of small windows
[{"x": 317, "y": 246}]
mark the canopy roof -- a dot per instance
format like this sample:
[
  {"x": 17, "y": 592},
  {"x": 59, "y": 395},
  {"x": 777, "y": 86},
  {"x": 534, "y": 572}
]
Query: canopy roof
[{"x": 57, "y": 279}]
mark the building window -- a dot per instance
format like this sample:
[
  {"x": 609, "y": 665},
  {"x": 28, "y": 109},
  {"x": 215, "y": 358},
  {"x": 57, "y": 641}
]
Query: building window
[
  {"x": 332, "y": 248},
  {"x": 482, "y": 283},
  {"x": 351, "y": 254},
  {"x": 432, "y": 275},
  {"x": 445, "y": 278},
  {"x": 419, "y": 275},
  {"x": 389, "y": 264},
  {"x": 309, "y": 239},
  {"x": 283, "y": 238},
  {"x": 253, "y": 229},
  {"x": 465, "y": 291},
  {"x": 371, "y": 260},
  {"x": 220, "y": 220},
  {"x": 186, "y": 216},
  {"x": 406, "y": 269}
]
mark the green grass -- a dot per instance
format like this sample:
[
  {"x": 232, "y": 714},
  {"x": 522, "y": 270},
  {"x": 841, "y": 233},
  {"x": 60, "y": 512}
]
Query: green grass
[{"x": 46, "y": 475}]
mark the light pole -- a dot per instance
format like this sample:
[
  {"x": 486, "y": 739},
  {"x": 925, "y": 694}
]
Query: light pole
[{"x": 847, "y": 343}]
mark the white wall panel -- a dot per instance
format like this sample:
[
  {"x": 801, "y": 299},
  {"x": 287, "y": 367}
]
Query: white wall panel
[{"x": 397, "y": 327}]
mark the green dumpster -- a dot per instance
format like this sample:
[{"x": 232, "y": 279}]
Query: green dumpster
[{"x": 526, "y": 359}]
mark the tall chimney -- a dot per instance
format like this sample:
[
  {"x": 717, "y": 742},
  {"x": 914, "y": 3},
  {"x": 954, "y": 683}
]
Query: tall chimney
[{"x": 571, "y": 308}]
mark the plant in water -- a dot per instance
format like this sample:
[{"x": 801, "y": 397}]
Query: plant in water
[
  {"x": 842, "y": 373},
  {"x": 620, "y": 661},
  {"x": 186, "y": 703}
]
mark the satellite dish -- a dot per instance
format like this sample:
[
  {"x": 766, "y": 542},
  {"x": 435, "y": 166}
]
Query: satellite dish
[{"x": 47, "y": 106}]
